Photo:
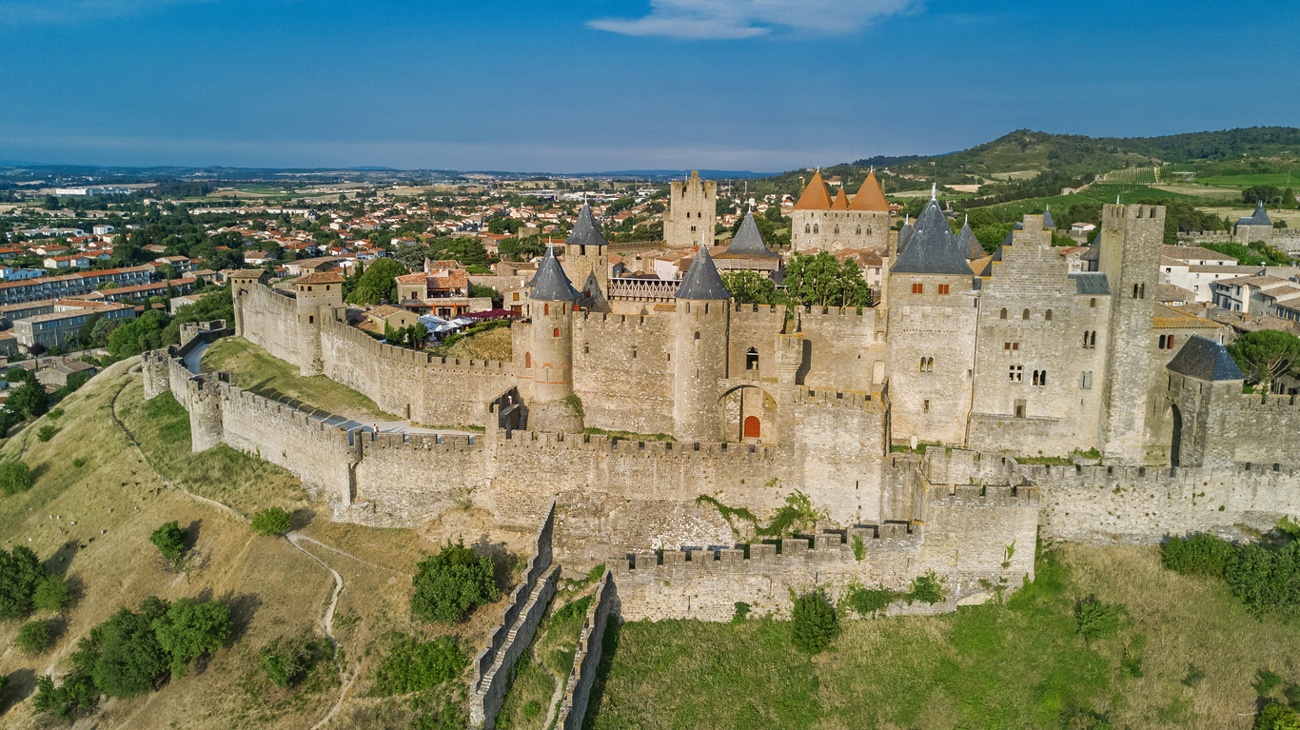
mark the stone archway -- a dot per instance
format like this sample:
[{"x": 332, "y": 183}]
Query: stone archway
[{"x": 747, "y": 414}]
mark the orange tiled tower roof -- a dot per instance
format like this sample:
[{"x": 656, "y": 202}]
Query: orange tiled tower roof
[
  {"x": 841, "y": 201},
  {"x": 870, "y": 196},
  {"x": 814, "y": 196}
]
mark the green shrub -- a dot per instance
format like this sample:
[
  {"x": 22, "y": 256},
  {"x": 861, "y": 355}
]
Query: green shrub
[
  {"x": 412, "y": 665},
  {"x": 1096, "y": 620},
  {"x": 78, "y": 462},
  {"x": 859, "y": 547},
  {"x": 52, "y": 593},
  {"x": 34, "y": 637},
  {"x": 742, "y": 610},
  {"x": 1277, "y": 716},
  {"x": 55, "y": 414},
  {"x": 926, "y": 589},
  {"x": 130, "y": 660},
  {"x": 288, "y": 661},
  {"x": 20, "y": 574},
  {"x": 46, "y": 432},
  {"x": 813, "y": 623},
  {"x": 868, "y": 601},
  {"x": 451, "y": 583},
  {"x": 1199, "y": 554},
  {"x": 76, "y": 695},
  {"x": 272, "y": 521},
  {"x": 1266, "y": 681},
  {"x": 192, "y": 629},
  {"x": 15, "y": 477},
  {"x": 170, "y": 540}
]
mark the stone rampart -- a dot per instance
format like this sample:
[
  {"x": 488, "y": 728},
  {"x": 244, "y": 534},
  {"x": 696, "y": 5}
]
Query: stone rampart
[
  {"x": 269, "y": 319},
  {"x": 1266, "y": 428},
  {"x": 573, "y": 709}
]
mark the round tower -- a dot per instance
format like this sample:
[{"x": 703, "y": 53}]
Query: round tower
[
  {"x": 700, "y": 352},
  {"x": 550, "y": 357}
]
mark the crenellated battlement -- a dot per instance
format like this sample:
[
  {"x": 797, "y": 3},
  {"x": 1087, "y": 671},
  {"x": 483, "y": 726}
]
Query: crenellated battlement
[
  {"x": 984, "y": 496},
  {"x": 661, "y": 449},
  {"x": 333, "y": 327},
  {"x": 1270, "y": 403},
  {"x": 840, "y": 399},
  {"x": 811, "y": 312}
]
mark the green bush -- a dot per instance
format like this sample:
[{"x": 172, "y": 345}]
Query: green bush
[
  {"x": 192, "y": 629},
  {"x": 926, "y": 588},
  {"x": 55, "y": 414},
  {"x": 170, "y": 540},
  {"x": 130, "y": 660},
  {"x": 272, "y": 521},
  {"x": 20, "y": 574},
  {"x": 15, "y": 477},
  {"x": 868, "y": 601},
  {"x": 813, "y": 623},
  {"x": 1199, "y": 554},
  {"x": 76, "y": 695},
  {"x": 52, "y": 593},
  {"x": 46, "y": 432},
  {"x": 742, "y": 610},
  {"x": 1265, "y": 578},
  {"x": 1096, "y": 620},
  {"x": 34, "y": 637},
  {"x": 1277, "y": 716},
  {"x": 287, "y": 662},
  {"x": 451, "y": 583},
  {"x": 412, "y": 665}
]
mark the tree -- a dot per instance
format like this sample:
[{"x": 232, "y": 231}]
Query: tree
[
  {"x": 29, "y": 400},
  {"x": 751, "y": 287},
  {"x": 1288, "y": 198},
  {"x": 34, "y": 637},
  {"x": 15, "y": 477},
  {"x": 272, "y": 521},
  {"x": 170, "y": 540},
  {"x": 138, "y": 335},
  {"x": 131, "y": 660},
  {"x": 521, "y": 249},
  {"x": 417, "y": 334},
  {"x": 451, "y": 583},
  {"x": 1260, "y": 194},
  {"x": 191, "y": 629},
  {"x": 20, "y": 573},
  {"x": 377, "y": 283},
  {"x": 1265, "y": 355},
  {"x": 52, "y": 593},
  {"x": 1277, "y": 716},
  {"x": 822, "y": 280},
  {"x": 812, "y": 623}
]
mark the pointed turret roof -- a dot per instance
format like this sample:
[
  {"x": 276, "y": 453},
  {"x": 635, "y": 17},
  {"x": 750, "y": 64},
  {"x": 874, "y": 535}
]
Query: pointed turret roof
[
  {"x": 1205, "y": 359},
  {"x": 932, "y": 248},
  {"x": 870, "y": 196},
  {"x": 1094, "y": 249},
  {"x": 1048, "y": 222},
  {"x": 550, "y": 283},
  {"x": 586, "y": 231},
  {"x": 841, "y": 201},
  {"x": 702, "y": 281},
  {"x": 1260, "y": 218},
  {"x": 1017, "y": 226},
  {"x": 969, "y": 243},
  {"x": 749, "y": 241},
  {"x": 814, "y": 196},
  {"x": 905, "y": 234}
]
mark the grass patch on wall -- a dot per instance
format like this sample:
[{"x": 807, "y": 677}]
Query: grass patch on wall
[
  {"x": 257, "y": 370},
  {"x": 1184, "y": 656},
  {"x": 487, "y": 341},
  {"x": 628, "y": 435}
]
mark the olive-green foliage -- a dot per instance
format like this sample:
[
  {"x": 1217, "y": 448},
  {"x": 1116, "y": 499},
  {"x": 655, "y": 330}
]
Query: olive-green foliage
[
  {"x": 130, "y": 660},
  {"x": 287, "y": 662},
  {"x": 139, "y": 335},
  {"x": 412, "y": 665},
  {"x": 272, "y": 521},
  {"x": 926, "y": 589},
  {"x": 752, "y": 287},
  {"x": 1277, "y": 716},
  {"x": 15, "y": 477},
  {"x": 822, "y": 280},
  {"x": 1096, "y": 620},
  {"x": 812, "y": 622},
  {"x": 170, "y": 540},
  {"x": 742, "y": 610},
  {"x": 34, "y": 637},
  {"x": 859, "y": 547},
  {"x": 76, "y": 695},
  {"x": 52, "y": 593},
  {"x": 28, "y": 400},
  {"x": 1265, "y": 355},
  {"x": 375, "y": 283},
  {"x": 868, "y": 601},
  {"x": 192, "y": 629},
  {"x": 46, "y": 432},
  {"x": 1265, "y": 577},
  {"x": 20, "y": 574},
  {"x": 451, "y": 583}
]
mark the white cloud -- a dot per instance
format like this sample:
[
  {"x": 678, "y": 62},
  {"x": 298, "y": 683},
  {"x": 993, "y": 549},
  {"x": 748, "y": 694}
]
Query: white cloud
[
  {"x": 730, "y": 19},
  {"x": 45, "y": 12}
]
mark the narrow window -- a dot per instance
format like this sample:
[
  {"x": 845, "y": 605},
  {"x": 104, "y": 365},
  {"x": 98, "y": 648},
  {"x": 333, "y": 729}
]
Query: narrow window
[
  {"x": 1048, "y": 316},
  {"x": 586, "y": 349},
  {"x": 1015, "y": 345},
  {"x": 311, "y": 319},
  {"x": 555, "y": 332},
  {"x": 1135, "y": 291},
  {"x": 1006, "y": 345},
  {"x": 921, "y": 367},
  {"x": 1004, "y": 313},
  {"x": 1035, "y": 377},
  {"x": 943, "y": 288},
  {"x": 925, "y": 407},
  {"x": 1142, "y": 290},
  {"x": 546, "y": 309},
  {"x": 633, "y": 353},
  {"x": 817, "y": 228},
  {"x": 929, "y": 364},
  {"x": 528, "y": 359},
  {"x": 1020, "y": 409},
  {"x": 1092, "y": 302},
  {"x": 918, "y": 288},
  {"x": 1085, "y": 380},
  {"x": 1025, "y": 314},
  {"x": 807, "y": 228},
  {"x": 859, "y": 231},
  {"x": 697, "y": 335},
  {"x": 837, "y": 230},
  {"x": 751, "y": 359}
]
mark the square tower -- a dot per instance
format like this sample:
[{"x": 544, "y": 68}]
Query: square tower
[{"x": 692, "y": 210}]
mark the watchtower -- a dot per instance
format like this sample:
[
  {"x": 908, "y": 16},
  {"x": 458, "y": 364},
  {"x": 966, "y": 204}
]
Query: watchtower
[
  {"x": 586, "y": 254},
  {"x": 700, "y": 352},
  {"x": 317, "y": 295},
  {"x": 549, "y": 360},
  {"x": 241, "y": 284},
  {"x": 692, "y": 210}
]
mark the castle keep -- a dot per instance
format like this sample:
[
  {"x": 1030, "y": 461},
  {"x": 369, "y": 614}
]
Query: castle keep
[{"x": 1022, "y": 359}]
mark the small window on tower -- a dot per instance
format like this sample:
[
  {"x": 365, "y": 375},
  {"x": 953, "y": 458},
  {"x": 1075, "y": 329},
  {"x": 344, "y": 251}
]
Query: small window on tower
[
  {"x": 555, "y": 332},
  {"x": 918, "y": 288},
  {"x": 943, "y": 288}
]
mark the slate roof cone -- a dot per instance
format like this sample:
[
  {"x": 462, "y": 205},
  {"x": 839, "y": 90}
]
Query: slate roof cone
[
  {"x": 1205, "y": 359},
  {"x": 702, "y": 281},
  {"x": 932, "y": 248},
  {"x": 969, "y": 243},
  {"x": 749, "y": 241},
  {"x": 550, "y": 284},
  {"x": 1260, "y": 218},
  {"x": 586, "y": 232},
  {"x": 1048, "y": 222},
  {"x": 905, "y": 233}
]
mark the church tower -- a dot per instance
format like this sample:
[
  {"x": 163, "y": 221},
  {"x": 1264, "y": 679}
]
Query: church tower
[
  {"x": 692, "y": 211},
  {"x": 549, "y": 360},
  {"x": 700, "y": 352}
]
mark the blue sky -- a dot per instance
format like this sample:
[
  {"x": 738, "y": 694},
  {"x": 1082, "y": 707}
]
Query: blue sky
[{"x": 580, "y": 85}]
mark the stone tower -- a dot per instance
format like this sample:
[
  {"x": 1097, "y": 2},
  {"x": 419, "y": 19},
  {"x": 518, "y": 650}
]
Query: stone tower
[
  {"x": 241, "y": 283},
  {"x": 1199, "y": 414},
  {"x": 586, "y": 254},
  {"x": 692, "y": 210},
  {"x": 932, "y": 325},
  {"x": 549, "y": 360},
  {"x": 317, "y": 295},
  {"x": 700, "y": 352},
  {"x": 1131, "y": 236},
  {"x": 824, "y": 224}
]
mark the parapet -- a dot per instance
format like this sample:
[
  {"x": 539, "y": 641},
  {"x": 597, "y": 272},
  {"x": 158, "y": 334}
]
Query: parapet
[
  {"x": 803, "y": 552},
  {"x": 854, "y": 399},
  {"x": 631, "y": 446},
  {"x": 984, "y": 496}
]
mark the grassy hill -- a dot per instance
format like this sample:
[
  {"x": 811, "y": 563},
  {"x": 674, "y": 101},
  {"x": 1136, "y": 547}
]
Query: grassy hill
[{"x": 97, "y": 498}]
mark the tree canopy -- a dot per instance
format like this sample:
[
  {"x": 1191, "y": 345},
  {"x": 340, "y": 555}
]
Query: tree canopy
[
  {"x": 376, "y": 283},
  {"x": 1266, "y": 355},
  {"x": 451, "y": 583},
  {"x": 822, "y": 280}
]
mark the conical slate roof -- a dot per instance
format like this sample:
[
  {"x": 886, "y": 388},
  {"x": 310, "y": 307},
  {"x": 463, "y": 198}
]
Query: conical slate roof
[
  {"x": 749, "y": 242},
  {"x": 1017, "y": 226},
  {"x": 550, "y": 284},
  {"x": 702, "y": 281},
  {"x": 969, "y": 243},
  {"x": 1094, "y": 249},
  {"x": 932, "y": 248},
  {"x": 1048, "y": 222},
  {"x": 841, "y": 201},
  {"x": 814, "y": 196},
  {"x": 870, "y": 196},
  {"x": 1205, "y": 359},
  {"x": 1260, "y": 218},
  {"x": 905, "y": 235},
  {"x": 586, "y": 232}
]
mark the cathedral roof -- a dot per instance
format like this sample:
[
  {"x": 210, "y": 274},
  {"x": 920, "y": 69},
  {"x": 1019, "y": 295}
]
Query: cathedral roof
[
  {"x": 1205, "y": 359},
  {"x": 841, "y": 201},
  {"x": 814, "y": 196},
  {"x": 1260, "y": 218},
  {"x": 870, "y": 196},
  {"x": 550, "y": 284},
  {"x": 969, "y": 243},
  {"x": 905, "y": 235},
  {"x": 749, "y": 242},
  {"x": 702, "y": 281},
  {"x": 932, "y": 249},
  {"x": 586, "y": 232},
  {"x": 1048, "y": 222}
]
